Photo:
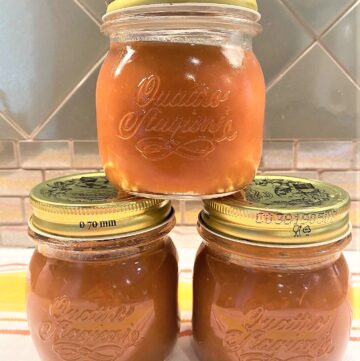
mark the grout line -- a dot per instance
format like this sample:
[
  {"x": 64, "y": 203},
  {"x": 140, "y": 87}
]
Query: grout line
[
  {"x": 282, "y": 170},
  {"x": 356, "y": 141},
  {"x": 326, "y": 169},
  {"x": 287, "y": 68},
  {"x": 17, "y": 154},
  {"x": 307, "y": 27},
  {"x": 20, "y": 169},
  {"x": 40, "y": 127},
  {"x": 12, "y": 196},
  {"x": 353, "y": 156},
  {"x": 295, "y": 153},
  {"x": 326, "y": 140},
  {"x": 338, "y": 64},
  {"x": 43, "y": 174},
  {"x": 339, "y": 19},
  {"x": 88, "y": 12},
  {"x": 299, "y": 19},
  {"x": 14, "y": 125},
  {"x": 319, "y": 38},
  {"x": 13, "y": 224},
  {"x": 312, "y": 140},
  {"x": 319, "y": 170},
  {"x": 21, "y": 196},
  {"x": 71, "y": 149}
]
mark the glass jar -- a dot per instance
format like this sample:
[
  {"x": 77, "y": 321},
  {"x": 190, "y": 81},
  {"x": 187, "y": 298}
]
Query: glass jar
[
  {"x": 103, "y": 278},
  {"x": 270, "y": 281},
  {"x": 181, "y": 97}
]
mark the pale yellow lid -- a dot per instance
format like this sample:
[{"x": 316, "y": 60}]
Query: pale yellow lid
[
  {"x": 281, "y": 210},
  {"x": 87, "y": 205},
  {"x": 121, "y": 4}
]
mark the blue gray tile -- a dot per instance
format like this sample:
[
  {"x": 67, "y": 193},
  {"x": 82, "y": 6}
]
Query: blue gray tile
[
  {"x": 348, "y": 180},
  {"x": 313, "y": 100},
  {"x": 277, "y": 155},
  {"x": 319, "y": 14},
  {"x": 294, "y": 173},
  {"x": 77, "y": 118},
  {"x": 86, "y": 155},
  {"x": 281, "y": 40},
  {"x": 324, "y": 155},
  {"x": 27, "y": 208},
  {"x": 342, "y": 40},
  {"x": 8, "y": 157},
  {"x": 96, "y": 7},
  {"x": 18, "y": 182},
  {"x": 46, "y": 48},
  {"x": 51, "y": 174},
  {"x": 11, "y": 210},
  {"x": 6, "y": 130},
  {"x": 355, "y": 243},
  {"x": 15, "y": 236},
  {"x": 45, "y": 154}
]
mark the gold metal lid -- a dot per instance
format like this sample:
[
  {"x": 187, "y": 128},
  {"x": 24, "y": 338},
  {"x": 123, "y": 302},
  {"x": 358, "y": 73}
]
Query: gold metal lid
[
  {"x": 87, "y": 205},
  {"x": 121, "y": 4},
  {"x": 281, "y": 210}
]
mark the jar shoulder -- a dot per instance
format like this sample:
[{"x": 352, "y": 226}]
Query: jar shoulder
[
  {"x": 50, "y": 276},
  {"x": 147, "y": 56},
  {"x": 324, "y": 288}
]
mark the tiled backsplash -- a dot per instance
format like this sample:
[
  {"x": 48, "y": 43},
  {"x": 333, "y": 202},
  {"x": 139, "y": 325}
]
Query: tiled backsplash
[{"x": 51, "y": 51}]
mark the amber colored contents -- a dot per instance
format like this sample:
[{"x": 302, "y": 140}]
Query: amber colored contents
[
  {"x": 178, "y": 118},
  {"x": 124, "y": 309},
  {"x": 266, "y": 310}
]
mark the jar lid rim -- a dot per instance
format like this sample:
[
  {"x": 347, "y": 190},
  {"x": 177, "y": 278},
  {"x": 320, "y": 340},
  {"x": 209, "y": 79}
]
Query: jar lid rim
[
  {"x": 86, "y": 205},
  {"x": 281, "y": 210},
  {"x": 170, "y": 220},
  {"x": 202, "y": 225}
]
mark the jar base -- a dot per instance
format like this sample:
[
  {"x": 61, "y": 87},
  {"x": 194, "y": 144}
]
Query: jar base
[{"x": 182, "y": 196}]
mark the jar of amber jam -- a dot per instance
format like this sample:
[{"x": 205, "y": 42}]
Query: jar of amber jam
[
  {"x": 270, "y": 281},
  {"x": 180, "y": 97},
  {"x": 103, "y": 278}
]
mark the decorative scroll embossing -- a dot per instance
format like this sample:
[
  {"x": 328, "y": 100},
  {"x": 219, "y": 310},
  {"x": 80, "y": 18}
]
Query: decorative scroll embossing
[
  {"x": 77, "y": 333},
  {"x": 262, "y": 335},
  {"x": 71, "y": 352},
  {"x": 79, "y": 190},
  {"x": 159, "y": 135},
  {"x": 286, "y": 193}
]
